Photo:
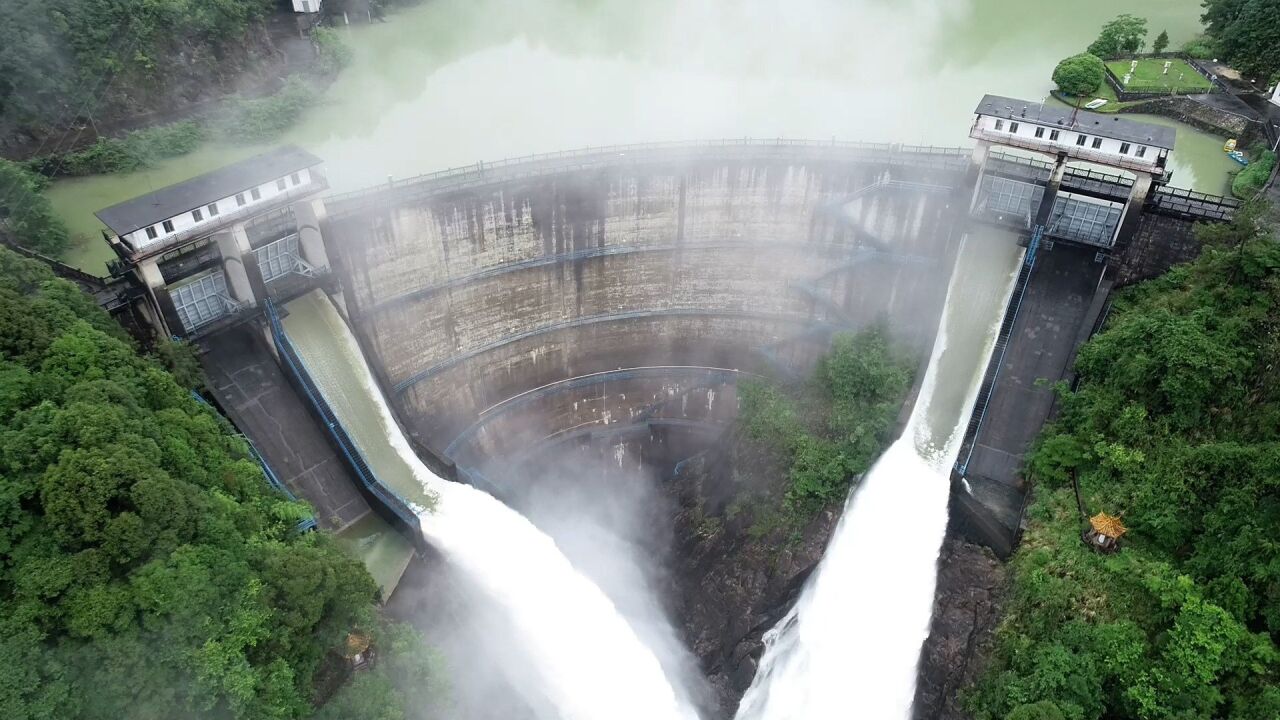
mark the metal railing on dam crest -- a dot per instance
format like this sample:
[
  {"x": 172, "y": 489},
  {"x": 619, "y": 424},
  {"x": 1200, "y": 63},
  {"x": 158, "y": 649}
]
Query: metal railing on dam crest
[{"x": 544, "y": 164}]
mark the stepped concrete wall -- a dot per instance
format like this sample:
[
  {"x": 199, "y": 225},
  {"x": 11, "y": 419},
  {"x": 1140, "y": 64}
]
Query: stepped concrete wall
[{"x": 469, "y": 295}]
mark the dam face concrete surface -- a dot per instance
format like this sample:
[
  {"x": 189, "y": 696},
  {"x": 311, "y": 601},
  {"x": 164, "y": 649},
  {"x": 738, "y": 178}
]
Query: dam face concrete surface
[{"x": 508, "y": 311}]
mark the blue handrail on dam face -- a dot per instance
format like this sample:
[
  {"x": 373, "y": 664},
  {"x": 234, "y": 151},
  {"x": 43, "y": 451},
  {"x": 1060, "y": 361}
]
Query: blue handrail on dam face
[
  {"x": 997, "y": 353},
  {"x": 350, "y": 451},
  {"x": 272, "y": 479}
]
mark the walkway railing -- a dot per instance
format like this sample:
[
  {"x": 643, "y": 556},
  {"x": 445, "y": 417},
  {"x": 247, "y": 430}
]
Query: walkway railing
[
  {"x": 303, "y": 525},
  {"x": 997, "y": 353},
  {"x": 350, "y": 450},
  {"x": 955, "y": 158},
  {"x": 1073, "y": 152}
]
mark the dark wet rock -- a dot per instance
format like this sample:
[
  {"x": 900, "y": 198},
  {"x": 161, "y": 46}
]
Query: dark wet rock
[
  {"x": 967, "y": 606},
  {"x": 736, "y": 573}
]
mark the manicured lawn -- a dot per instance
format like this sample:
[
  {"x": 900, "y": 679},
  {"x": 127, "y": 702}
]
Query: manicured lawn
[{"x": 1150, "y": 75}]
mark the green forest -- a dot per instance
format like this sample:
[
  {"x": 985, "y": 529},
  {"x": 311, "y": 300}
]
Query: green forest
[
  {"x": 147, "y": 569},
  {"x": 1175, "y": 424},
  {"x": 67, "y": 59}
]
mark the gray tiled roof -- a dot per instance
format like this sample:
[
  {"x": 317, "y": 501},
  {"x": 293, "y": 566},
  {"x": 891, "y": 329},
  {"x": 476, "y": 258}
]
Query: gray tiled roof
[
  {"x": 201, "y": 190},
  {"x": 1107, "y": 126}
]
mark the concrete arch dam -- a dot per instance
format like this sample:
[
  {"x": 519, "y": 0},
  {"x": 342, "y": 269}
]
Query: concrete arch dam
[{"x": 616, "y": 295}]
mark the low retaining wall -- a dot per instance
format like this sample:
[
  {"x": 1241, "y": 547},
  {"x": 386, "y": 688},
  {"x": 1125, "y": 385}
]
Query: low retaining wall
[{"x": 1202, "y": 117}]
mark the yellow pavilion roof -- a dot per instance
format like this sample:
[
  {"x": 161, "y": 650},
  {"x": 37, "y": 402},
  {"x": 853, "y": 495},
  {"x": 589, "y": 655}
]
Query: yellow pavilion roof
[{"x": 1108, "y": 525}]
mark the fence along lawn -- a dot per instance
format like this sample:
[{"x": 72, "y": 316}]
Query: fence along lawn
[{"x": 1150, "y": 75}]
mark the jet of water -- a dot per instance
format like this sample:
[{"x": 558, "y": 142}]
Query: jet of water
[
  {"x": 590, "y": 663},
  {"x": 850, "y": 646}
]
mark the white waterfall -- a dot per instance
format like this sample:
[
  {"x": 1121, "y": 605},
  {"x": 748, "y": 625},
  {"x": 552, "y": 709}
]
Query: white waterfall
[
  {"x": 591, "y": 664},
  {"x": 850, "y": 646}
]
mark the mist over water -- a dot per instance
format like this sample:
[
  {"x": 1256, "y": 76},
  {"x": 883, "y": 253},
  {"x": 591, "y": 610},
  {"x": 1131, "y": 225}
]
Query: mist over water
[
  {"x": 850, "y": 646},
  {"x": 588, "y": 662}
]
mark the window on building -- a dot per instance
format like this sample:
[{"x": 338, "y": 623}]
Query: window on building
[
  {"x": 999, "y": 124},
  {"x": 295, "y": 179},
  {"x": 1142, "y": 151},
  {"x": 1080, "y": 140},
  {"x": 1053, "y": 134},
  {"x": 306, "y": 6},
  {"x": 1097, "y": 143},
  {"x": 197, "y": 215},
  {"x": 1039, "y": 132},
  {"x": 168, "y": 226},
  {"x": 1013, "y": 127},
  {"x": 239, "y": 199},
  {"x": 151, "y": 232},
  {"x": 280, "y": 184},
  {"x": 213, "y": 209},
  {"x": 1124, "y": 148},
  {"x": 255, "y": 194}
]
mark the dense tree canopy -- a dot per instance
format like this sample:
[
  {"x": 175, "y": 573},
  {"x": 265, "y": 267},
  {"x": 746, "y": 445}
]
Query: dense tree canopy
[
  {"x": 1176, "y": 424},
  {"x": 147, "y": 570},
  {"x": 1160, "y": 43},
  {"x": 1079, "y": 75},
  {"x": 833, "y": 428},
  {"x": 1124, "y": 35},
  {"x": 1246, "y": 34},
  {"x": 63, "y": 59},
  {"x": 26, "y": 217}
]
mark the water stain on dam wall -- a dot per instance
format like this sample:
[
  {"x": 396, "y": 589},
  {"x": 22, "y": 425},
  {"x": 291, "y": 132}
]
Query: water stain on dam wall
[{"x": 468, "y": 298}]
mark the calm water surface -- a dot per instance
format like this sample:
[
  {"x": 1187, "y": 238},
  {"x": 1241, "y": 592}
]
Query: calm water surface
[{"x": 455, "y": 81}]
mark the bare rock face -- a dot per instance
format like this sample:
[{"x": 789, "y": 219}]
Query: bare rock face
[
  {"x": 737, "y": 573},
  {"x": 966, "y": 609}
]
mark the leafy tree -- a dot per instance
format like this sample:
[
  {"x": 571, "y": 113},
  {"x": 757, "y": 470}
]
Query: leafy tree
[
  {"x": 1250, "y": 181},
  {"x": 147, "y": 569},
  {"x": 332, "y": 53},
  {"x": 25, "y": 213},
  {"x": 1043, "y": 710},
  {"x": 1122, "y": 36},
  {"x": 1176, "y": 423},
  {"x": 262, "y": 119},
  {"x": 1246, "y": 33},
  {"x": 1199, "y": 47},
  {"x": 136, "y": 150},
  {"x": 1079, "y": 75},
  {"x": 1160, "y": 43},
  {"x": 56, "y": 55},
  {"x": 833, "y": 429},
  {"x": 370, "y": 696}
]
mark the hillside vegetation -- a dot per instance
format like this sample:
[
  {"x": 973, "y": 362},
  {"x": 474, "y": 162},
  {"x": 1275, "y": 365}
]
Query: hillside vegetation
[
  {"x": 1175, "y": 424},
  {"x": 147, "y": 569},
  {"x": 830, "y": 429},
  {"x": 69, "y": 60}
]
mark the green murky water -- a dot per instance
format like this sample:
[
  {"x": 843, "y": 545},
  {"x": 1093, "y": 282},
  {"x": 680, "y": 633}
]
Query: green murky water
[
  {"x": 332, "y": 358},
  {"x": 383, "y": 550},
  {"x": 455, "y": 81}
]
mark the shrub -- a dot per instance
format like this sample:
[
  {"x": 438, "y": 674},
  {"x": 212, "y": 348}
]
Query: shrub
[
  {"x": 25, "y": 213},
  {"x": 1080, "y": 75},
  {"x": 331, "y": 52},
  {"x": 1121, "y": 36},
  {"x": 135, "y": 151},
  {"x": 1199, "y": 47},
  {"x": 849, "y": 409},
  {"x": 266, "y": 118},
  {"x": 1250, "y": 181}
]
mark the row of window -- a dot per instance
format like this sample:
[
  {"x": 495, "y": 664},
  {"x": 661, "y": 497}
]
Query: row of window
[
  {"x": 198, "y": 214},
  {"x": 1096, "y": 143}
]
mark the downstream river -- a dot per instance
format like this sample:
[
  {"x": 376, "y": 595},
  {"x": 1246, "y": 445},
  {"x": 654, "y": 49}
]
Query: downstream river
[{"x": 452, "y": 82}]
